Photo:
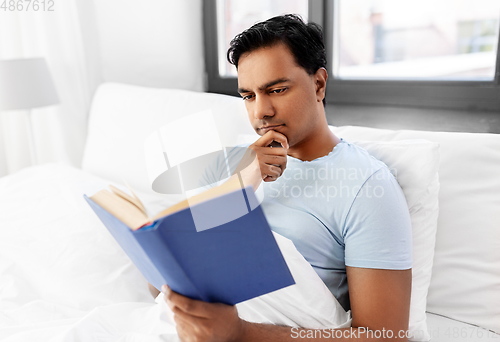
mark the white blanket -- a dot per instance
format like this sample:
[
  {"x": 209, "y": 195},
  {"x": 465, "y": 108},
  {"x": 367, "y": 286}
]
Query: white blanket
[{"x": 64, "y": 278}]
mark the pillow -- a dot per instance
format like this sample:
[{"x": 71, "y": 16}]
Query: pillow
[
  {"x": 465, "y": 283},
  {"x": 122, "y": 117},
  {"x": 415, "y": 165}
]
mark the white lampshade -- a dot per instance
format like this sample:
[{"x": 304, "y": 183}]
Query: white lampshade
[{"x": 26, "y": 84}]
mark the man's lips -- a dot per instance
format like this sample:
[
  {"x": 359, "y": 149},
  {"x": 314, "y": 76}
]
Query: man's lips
[{"x": 264, "y": 129}]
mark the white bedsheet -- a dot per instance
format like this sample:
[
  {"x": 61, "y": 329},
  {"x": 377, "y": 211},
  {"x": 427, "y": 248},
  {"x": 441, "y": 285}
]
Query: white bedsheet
[{"x": 64, "y": 278}]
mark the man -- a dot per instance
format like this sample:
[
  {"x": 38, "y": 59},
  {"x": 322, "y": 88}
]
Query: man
[{"x": 320, "y": 192}]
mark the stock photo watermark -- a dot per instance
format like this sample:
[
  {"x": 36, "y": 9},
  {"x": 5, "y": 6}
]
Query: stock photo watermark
[
  {"x": 27, "y": 5},
  {"x": 329, "y": 182},
  {"x": 349, "y": 332},
  {"x": 472, "y": 332}
]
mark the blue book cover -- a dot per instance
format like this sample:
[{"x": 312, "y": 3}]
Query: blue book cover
[{"x": 202, "y": 259}]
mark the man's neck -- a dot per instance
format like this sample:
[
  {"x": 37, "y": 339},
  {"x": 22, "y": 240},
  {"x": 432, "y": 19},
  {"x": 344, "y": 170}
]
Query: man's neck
[{"x": 315, "y": 146}]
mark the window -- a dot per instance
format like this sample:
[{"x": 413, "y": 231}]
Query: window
[
  {"x": 430, "y": 53},
  {"x": 428, "y": 39},
  {"x": 235, "y": 16}
]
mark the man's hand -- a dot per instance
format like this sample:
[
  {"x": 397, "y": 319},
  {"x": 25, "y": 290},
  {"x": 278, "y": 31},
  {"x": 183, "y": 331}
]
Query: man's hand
[
  {"x": 266, "y": 163},
  {"x": 201, "y": 321},
  {"x": 271, "y": 161}
]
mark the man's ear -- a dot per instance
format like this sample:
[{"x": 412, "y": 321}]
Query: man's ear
[{"x": 320, "y": 78}]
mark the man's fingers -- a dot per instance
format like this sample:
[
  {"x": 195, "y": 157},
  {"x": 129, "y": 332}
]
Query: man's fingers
[
  {"x": 276, "y": 136},
  {"x": 274, "y": 160},
  {"x": 185, "y": 325},
  {"x": 261, "y": 158},
  {"x": 271, "y": 151},
  {"x": 268, "y": 138},
  {"x": 252, "y": 152},
  {"x": 181, "y": 316},
  {"x": 191, "y": 306},
  {"x": 272, "y": 166},
  {"x": 271, "y": 173},
  {"x": 271, "y": 156}
]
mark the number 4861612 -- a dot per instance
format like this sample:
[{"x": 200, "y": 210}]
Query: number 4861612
[{"x": 27, "y": 5}]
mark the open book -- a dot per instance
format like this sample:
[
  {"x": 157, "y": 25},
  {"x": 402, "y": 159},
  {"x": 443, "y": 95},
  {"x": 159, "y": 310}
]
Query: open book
[
  {"x": 216, "y": 246},
  {"x": 130, "y": 210}
]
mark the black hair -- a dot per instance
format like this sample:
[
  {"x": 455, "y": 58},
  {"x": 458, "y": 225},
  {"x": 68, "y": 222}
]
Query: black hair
[{"x": 305, "y": 41}]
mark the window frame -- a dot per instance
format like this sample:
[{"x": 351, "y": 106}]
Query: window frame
[{"x": 464, "y": 95}]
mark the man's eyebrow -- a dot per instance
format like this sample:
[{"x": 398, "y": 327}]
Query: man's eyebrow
[
  {"x": 241, "y": 90},
  {"x": 267, "y": 85}
]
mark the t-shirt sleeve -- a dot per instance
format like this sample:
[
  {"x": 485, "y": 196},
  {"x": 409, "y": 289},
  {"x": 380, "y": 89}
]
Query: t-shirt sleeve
[
  {"x": 377, "y": 230},
  {"x": 213, "y": 174},
  {"x": 220, "y": 168}
]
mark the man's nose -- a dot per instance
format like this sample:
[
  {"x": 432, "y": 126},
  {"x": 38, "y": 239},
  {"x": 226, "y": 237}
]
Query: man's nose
[{"x": 263, "y": 107}]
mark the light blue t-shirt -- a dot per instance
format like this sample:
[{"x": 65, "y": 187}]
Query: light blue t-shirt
[{"x": 343, "y": 209}]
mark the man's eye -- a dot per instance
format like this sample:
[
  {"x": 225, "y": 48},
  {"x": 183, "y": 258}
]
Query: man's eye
[
  {"x": 278, "y": 91},
  {"x": 247, "y": 97}
]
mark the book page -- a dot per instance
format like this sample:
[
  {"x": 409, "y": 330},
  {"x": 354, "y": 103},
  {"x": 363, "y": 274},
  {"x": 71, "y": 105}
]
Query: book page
[
  {"x": 134, "y": 200},
  {"x": 122, "y": 209},
  {"x": 232, "y": 184},
  {"x": 141, "y": 206}
]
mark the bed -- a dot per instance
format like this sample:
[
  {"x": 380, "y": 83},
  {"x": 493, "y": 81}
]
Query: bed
[{"x": 64, "y": 278}]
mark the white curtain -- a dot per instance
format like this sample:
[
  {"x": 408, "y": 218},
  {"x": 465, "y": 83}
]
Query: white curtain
[{"x": 60, "y": 130}]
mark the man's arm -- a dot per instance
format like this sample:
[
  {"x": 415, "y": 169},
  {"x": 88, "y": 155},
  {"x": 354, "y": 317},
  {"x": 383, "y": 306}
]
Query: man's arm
[{"x": 380, "y": 301}]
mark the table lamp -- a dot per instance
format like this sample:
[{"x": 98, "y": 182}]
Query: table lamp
[{"x": 26, "y": 84}]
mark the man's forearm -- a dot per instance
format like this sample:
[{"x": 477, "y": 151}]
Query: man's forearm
[{"x": 254, "y": 332}]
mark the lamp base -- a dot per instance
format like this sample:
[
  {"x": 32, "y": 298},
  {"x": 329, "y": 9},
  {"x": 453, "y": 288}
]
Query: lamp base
[{"x": 34, "y": 159}]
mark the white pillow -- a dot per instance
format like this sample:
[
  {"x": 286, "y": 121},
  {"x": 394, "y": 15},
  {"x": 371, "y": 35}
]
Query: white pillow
[
  {"x": 415, "y": 165},
  {"x": 123, "y": 116},
  {"x": 465, "y": 283}
]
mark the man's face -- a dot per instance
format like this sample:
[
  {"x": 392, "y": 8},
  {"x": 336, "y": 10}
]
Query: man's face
[{"x": 279, "y": 94}]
